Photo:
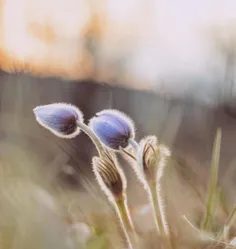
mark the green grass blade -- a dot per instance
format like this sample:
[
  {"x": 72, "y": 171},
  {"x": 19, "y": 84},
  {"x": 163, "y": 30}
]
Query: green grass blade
[
  {"x": 212, "y": 186},
  {"x": 224, "y": 232}
]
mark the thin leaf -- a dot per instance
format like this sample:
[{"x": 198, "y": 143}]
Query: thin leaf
[
  {"x": 227, "y": 225},
  {"x": 212, "y": 186}
]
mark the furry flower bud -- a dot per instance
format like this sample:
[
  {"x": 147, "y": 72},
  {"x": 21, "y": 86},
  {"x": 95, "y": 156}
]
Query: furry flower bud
[
  {"x": 152, "y": 159},
  {"x": 61, "y": 119},
  {"x": 113, "y": 128},
  {"x": 109, "y": 175},
  {"x": 151, "y": 156}
]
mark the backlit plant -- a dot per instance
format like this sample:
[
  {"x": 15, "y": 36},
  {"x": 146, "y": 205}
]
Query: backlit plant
[{"x": 113, "y": 132}]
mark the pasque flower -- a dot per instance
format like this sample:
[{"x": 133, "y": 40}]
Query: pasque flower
[
  {"x": 151, "y": 155},
  {"x": 110, "y": 177},
  {"x": 113, "y": 128},
  {"x": 112, "y": 181},
  {"x": 66, "y": 121},
  {"x": 152, "y": 158},
  {"x": 60, "y": 118}
]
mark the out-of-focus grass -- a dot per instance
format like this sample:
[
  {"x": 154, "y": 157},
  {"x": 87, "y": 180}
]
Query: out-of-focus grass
[
  {"x": 30, "y": 216},
  {"x": 37, "y": 213}
]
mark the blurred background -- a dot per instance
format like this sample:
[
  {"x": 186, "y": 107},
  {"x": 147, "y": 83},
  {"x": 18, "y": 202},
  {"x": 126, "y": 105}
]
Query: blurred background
[{"x": 170, "y": 65}]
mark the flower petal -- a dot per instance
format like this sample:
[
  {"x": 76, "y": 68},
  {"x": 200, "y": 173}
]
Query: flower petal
[{"x": 61, "y": 119}]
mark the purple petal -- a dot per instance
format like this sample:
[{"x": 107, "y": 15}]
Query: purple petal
[
  {"x": 113, "y": 128},
  {"x": 61, "y": 119}
]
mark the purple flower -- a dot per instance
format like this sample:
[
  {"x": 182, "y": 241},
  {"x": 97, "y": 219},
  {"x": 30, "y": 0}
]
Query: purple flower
[
  {"x": 61, "y": 119},
  {"x": 113, "y": 128}
]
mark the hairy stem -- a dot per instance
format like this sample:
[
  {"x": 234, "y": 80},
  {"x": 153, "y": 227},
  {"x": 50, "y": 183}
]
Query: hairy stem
[
  {"x": 160, "y": 172},
  {"x": 134, "y": 144},
  {"x": 156, "y": 207},
  {"x": 124, "y": 211},
  {"x": 93, "y": 137},
  {"x": 125, "y": 220}
]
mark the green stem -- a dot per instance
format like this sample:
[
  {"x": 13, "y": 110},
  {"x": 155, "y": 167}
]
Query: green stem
[
  {"x": 156, "y": 207},
  {"x": 159, "y": 216},
  {"x": 125, "y": 220},
  {"x": 228, "y": 224},
  {"x": 213, "y": 181},
  {"x": 123, "y": 209},
  {"x": 93, "y": 137}
]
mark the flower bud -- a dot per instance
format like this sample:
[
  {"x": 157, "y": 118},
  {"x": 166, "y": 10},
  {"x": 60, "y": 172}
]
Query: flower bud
[
  {"x": 61, "y": 119},
  {"x": 109, "y": 176},
  {"x": 151, "y": 156},
  {"x": 113, "y": 128},
  {"x": 152, "y": 159}
]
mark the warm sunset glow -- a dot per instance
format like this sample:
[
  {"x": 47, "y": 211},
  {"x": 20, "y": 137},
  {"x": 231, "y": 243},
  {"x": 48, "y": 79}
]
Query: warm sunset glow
[
  {"x": 125, "y": 40},
  {"x": 47, "y": 35}
]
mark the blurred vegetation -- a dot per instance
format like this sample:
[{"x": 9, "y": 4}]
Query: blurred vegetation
[{"x": 37, "y": 211}]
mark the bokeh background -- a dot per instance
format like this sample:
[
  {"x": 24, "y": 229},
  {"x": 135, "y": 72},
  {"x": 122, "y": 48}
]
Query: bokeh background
[{"x": 170, "y": 65}]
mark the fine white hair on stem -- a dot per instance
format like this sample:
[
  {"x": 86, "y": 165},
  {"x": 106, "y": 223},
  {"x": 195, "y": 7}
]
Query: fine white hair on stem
[
  {"x": 87, "y": 130},
  {"x": 162, "y": 210},
  {"x": 128, "y": 240},
  {"x": 151, "y": 162},
  {"x": 112, "y": 181},
  {"x": 164, "y": 153},
  {"x": 137, "y": 170}
]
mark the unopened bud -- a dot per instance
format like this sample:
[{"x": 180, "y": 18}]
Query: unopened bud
[
  {"x": 61, "y": 119},
  {"x": 109, "y": 176},
  {"x": 113, "y": 128}
]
